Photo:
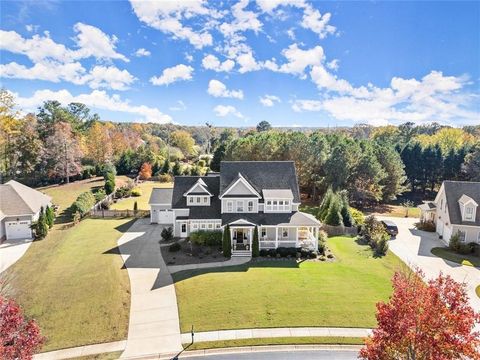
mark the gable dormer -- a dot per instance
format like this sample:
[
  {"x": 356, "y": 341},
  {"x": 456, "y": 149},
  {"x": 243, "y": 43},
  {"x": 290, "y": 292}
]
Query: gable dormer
[
  {"x": 198, "y": 194},
  {"x": 240, "y": 187},
  {"x": 468, "y": 208}
]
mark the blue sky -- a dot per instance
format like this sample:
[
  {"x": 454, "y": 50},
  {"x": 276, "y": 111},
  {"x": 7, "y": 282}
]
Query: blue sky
[{"x": 235, "y": 63}]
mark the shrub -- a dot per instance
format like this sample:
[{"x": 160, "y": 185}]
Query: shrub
[
  {"x": 109, "y": 171},
  {"x": 109, "y": 186},
  {"x": 322, "y": 241},
  {"x": 49, "y": 216},
  {"x": 357, "y": 216},
  {"x": 426, "y": 225},
  {"x": 255, "y": 243},
  {"x": 88, "y": 172},
  {"x": 123, "y": 192},
  {"x": 164, "y": 178},
  {"x": 175, "y": 247},
  {"x": 206, "y": 237},
  {"x": 263, "y": 252},
  {"x": 381, "y": 247},
  {"x": 325, "y": 204},
  {"x": 167, "y": 234},
  {"x": 99, "y": 195},
  {"x": 227, "y": 242},
  {"x": 84, "y": 203},
  {"x": 145, "y": 171},
  {"x": 41, "y": 225},
  {"x": 455, "y": 243},
  {"x": 136, "y": 192},
  {"x": 374, "y": 234}
]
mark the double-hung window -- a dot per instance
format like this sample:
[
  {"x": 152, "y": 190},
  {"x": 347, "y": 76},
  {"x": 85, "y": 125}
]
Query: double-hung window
[
  {"x": 190, "y": 200},
  {"x": 230, "y": 206},
  {"x": 250, "y": 206},
  {"x": 461, "y": 235},
  {"x": 239, "y": 206},
  {"x": 469, "y": 213},
  {"x": 284, "y": 233}
]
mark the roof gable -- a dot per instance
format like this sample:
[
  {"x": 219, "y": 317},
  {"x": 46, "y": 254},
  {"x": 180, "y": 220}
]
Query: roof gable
[
  {"x": 240, "y": 186},
  {"x": 19, "y": 199},
  {"x": 454, "y": 191},
  {"x": 199, "y": 188}
]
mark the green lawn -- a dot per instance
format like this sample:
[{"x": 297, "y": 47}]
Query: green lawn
[
  {"x": 477, "y": 290},
  {"x": 105, "y": 356},
  {"x": 447, "y": 254},
  {"x": 78, "y": 294},
  {"x": 142, "y": 201},
  {"x": 281, "y": 293},
  {"x": 305, "y": 340}
]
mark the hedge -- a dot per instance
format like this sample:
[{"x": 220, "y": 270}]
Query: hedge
[
  {"x": 206, "y": 237},
  {"x": 84, "y": 203}
]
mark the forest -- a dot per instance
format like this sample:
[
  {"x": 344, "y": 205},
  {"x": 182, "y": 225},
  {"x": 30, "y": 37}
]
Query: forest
[{"x": 373, "y": 164}]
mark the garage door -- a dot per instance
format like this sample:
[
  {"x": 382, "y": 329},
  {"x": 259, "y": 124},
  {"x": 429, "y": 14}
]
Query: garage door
[
  {"x": 162, "y": 216},
  {"x": 18, "y": 230}
]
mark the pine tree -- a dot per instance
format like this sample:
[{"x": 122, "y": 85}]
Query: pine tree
[
  {"x": 135, "y": 208},
  {"x": 41, "y": 226},
  {"x": 334, "y": 217},
  {"x": 345, "y": 211},
  {"x": 323, "y": 209},
  {"x": 255, "y": 243},
  {"x": 176, "y": 170},
  {"x": 166, "y": 167},
  {"x": 227, "y": 242}
]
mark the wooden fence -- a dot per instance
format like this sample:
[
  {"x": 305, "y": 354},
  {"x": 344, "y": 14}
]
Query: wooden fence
[
  {"x": 103, "y": 213},
  {"x": 339, "y": 230}
]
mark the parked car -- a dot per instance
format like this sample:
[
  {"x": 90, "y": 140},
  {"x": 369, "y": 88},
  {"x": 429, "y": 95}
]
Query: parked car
[{"x": 390, "y": 227}]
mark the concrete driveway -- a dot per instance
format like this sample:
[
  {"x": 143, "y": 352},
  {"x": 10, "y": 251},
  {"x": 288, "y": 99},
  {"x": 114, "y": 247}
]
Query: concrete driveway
[
  {"x": 154, "y": 324},
  {"x": 413, "y": 247},
  {"x": 11, "y": 251}
]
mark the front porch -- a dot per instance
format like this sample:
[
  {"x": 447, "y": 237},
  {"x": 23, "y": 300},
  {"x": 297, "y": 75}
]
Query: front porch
[{"x": 272, "y": 237}]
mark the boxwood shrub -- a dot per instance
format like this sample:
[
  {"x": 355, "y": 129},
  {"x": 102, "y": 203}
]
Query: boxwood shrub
[{"x": 206, "y": 237}]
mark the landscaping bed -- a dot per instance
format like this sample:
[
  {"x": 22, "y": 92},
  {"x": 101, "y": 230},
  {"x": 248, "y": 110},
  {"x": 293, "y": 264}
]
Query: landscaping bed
[
  {"x": 185, "y": 253},
  {"x": 341, "y": 293},
  {"x": 447, "y": 254}
]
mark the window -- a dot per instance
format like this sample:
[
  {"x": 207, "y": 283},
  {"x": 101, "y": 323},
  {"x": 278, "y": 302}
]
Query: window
[
  {"x": 205, "y": 199},
  {"x": 190, "y": 199},
  {"x": 229, "y": 206},
  {"x": 239, "y": 205},
  {"x": 184, "y": 228},
  {"x": 285, "y": 232},
  {"x": 264, "y": 233},
  {"x": 210, "y": 225},
  {"x": 203, "y": 225},
  {"x": 441, "y": 204},
  {"x": 461, "y": 235},
  {"x": 469, "y": 213},
  {"x": 217, "y": 226},
  {"x": 198, "y": 199},
  {"x": 250, "y": 206},
  {"x": 195, "y": 225}
]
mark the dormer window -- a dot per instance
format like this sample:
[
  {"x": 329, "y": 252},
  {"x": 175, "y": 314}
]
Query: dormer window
[
  {"x": 468, "y": 208},
  {"x": 469, "y": 213}
]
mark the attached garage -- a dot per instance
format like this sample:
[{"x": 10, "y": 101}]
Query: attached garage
[
  {"x": 161, "y": 206},
  {"x": 161, "y": 216},
  {"x": 18, "y": 229}
]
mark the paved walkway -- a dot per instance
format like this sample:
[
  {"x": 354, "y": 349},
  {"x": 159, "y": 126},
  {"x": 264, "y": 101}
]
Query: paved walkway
[
  {"x": 154, "y": 324},
  {"x": 233, "y": 261},
  {"x": 82, "y": 351},
  {"x": 274, "y": 332},
  {"x": 413, "y": 247},
  {"x": 11, "y": 251}
]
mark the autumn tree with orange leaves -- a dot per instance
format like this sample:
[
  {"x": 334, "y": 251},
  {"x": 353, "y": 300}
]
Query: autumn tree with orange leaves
[
  {"x": 145, "y": 171},
  {"x": 424, "y": 321}
]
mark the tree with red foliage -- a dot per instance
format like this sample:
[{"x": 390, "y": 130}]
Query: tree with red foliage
[
  {"x": 19, "y": 338},
  {"x": 424, "y": 321},
  {"x": 145, "y": 171}
]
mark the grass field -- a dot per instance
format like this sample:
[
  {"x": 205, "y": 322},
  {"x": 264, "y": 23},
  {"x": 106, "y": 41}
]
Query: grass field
[
  {"x": 142, "y": 201},
  {"x": 307, "y": 340},
  {"x": 281, "y": 293},
  {"x": 447, "y": 254},
  {"x": 77, "y": 293},
  {"x": 105, "y": 356}
]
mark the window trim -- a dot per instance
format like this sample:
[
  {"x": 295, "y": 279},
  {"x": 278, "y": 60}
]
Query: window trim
[
  {"x": 250, "y": 206},
  {"x": 229, "y": 206},
  {"x": 285, "y": 230}
]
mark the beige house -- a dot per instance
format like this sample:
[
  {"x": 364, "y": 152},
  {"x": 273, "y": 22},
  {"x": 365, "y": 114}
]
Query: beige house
[
  {"x": 455, "y": 210},
  {"x": 19, "y": 206},
  {"x": 244, "y": 195}
]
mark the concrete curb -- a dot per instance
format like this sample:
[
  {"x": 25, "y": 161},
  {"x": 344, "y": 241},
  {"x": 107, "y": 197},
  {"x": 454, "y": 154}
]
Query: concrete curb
[{"x": 82, "y": 351}]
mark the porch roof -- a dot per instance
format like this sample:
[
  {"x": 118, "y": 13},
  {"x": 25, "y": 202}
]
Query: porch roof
[{"x": 297, "y": 218}]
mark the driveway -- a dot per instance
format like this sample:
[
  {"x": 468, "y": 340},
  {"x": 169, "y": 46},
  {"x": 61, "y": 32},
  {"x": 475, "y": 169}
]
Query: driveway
[
  {"x": 11, "y": 251},
  {"x": 413, "y": 247},
  {"x": 154, "y": 324}
]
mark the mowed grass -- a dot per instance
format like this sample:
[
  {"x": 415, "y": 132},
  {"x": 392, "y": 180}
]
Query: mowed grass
[
  {"x": 305, "y": 340},
  {"x": 447, "y": 254},
  {"x": 76, "y": 291},
  {"x": 283, "y": 294},
  {"x": 477, "y": 291},
  {"x": 146, "y": 188}
]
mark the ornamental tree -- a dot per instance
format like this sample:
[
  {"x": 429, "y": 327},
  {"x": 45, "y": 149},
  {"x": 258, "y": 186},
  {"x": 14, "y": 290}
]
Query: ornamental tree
[
  {"x": 424, "y": 321},
  {"x": 145, "y": 171},
  {"x": 19, "y": 338},
  {"x": 227, "y": 242}
]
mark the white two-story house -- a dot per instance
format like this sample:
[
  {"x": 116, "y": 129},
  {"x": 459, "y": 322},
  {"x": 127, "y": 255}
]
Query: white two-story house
[
  {"x": 243, "y": 195},
  {"x": 455, "y": 210}
]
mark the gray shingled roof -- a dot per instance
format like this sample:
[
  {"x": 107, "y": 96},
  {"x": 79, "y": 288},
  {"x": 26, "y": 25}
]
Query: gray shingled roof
[
  {"x": 429, "y": 205},
  {"x": 277, "y": 194},
  {"x": 453, "y": 192},
  {"x": 261, "y": 175},
  {"x": 297, "y": 218},
  {"x": 183, "y": 183},
  {"x": 161, "y": 196},
  {"x": 18, "y": 199}
]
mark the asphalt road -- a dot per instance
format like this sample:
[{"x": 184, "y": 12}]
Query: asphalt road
[{"x": 283, "y": 355}]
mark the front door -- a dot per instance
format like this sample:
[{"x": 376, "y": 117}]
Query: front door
[
  {"x": 239, "y": 236},
  {"x": 183, "y": 230}
]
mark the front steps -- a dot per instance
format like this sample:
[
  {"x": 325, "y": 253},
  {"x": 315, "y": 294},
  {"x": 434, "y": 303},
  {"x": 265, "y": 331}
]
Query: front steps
[{"x": 243, "y": 253}]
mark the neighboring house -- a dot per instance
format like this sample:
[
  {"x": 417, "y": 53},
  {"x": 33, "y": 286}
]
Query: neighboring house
[
  {"x": 455, "y": 210},
  {"x": 243, "y": 195},
  {"x": 19, "y": 206}
]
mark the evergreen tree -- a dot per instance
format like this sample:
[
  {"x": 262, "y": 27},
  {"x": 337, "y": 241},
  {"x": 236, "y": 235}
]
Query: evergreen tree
[
  {"x": 166, "y": 167},
  {"x": 345, "y": 210},
  {"x": 323, "y": 209},
  {"x": 255, "y": 243},
  {"x": 391, "y": 162},
  {"x": 176, "y": 170},
  {"x": 49, "y": 216},
  {"x": 449, "y": 164},
  {"x": 135, "y": 208},
  {"x": 412, "y": 158},
  {"x": 41, "y": 226},
  {"x": 334, "y": 217},
  {"x": 218, "y": 156},
  {"x": 227, "y": 242}
]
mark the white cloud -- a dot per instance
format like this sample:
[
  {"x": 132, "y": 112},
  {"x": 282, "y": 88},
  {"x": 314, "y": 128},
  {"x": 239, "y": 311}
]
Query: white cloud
[
  {"x": 269, "y": 100},
  {"x": 316, "y": 22},
  {"x": 307, "y": 105},
  {"x": 299, "y": 59},
  {"x": 97, "y": 99},
  {"x": 142, "y": 52},
  {"x": 188, "y": 57},
  {"x": 94, "y": 42},
  {"x": 211, "y": 62},
  {"x": 170, "y": 75},
  {"x": 32, "y": 28},
  {"x": 109, "y": 77},
  {"x": 333, "y": 65},
  {"x": 167, "y": 16},
  {"x": 243, "y": 20},
  {"x": 180, "y": 106},
  {"x": 247, "y": 63},
  {"x": 226, "y": 110},
  {"x": 218, "y": 89}
]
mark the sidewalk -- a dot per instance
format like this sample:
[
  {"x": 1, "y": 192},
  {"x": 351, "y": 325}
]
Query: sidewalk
[
  {"x": 82, "y": 351},
  {"x": 274, "y": 332},
  {"x": 231, "y": 262}
]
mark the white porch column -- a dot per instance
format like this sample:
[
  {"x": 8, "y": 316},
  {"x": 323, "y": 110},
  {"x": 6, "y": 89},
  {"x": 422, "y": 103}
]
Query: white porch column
[
  {"x": 231, "y": 239},
  {"x": 296, "y": 236},
  {"x": 276, "y": 237},
  {"x": 250, "y": 238}
]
